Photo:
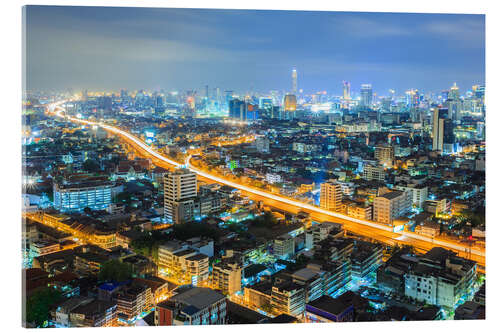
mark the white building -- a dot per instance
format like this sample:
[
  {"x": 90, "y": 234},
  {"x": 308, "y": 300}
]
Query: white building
[
  {"x": 74, "y": 197},
  {"x": 180, "y": 189},
  {"x": 318, "y": 232},
  {"x": 389, "y": 206},
  {"x": 284, "y": 246},
  {"x": 371, "y": 172},
  {"x": 272, "y": 178},
  {"x": 417, "y": 193},
  {"x": 183, "y": 262},
  {"x": 441, "y": 278}
]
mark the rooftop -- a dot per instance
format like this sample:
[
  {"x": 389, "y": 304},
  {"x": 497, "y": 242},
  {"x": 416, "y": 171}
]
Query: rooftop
[{"x": 201, "y": 298}]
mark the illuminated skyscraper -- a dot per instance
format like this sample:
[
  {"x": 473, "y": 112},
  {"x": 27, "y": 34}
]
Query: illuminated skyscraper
[
  {"x": 454, "y": 103},
  {"x": 454, "y": 92},
  {"x": 346, "y": 90},
  {"x": 478, "y": 91},
  {"x": 366, "y": 95},
  {"x": 442, "y": 130},
  {"x": 294, "y": 81},
  {"x": 290, "y": 102}
]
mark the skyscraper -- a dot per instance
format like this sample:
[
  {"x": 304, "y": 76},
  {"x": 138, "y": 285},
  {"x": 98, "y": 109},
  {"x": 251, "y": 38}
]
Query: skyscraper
[
  {"x": 290, "y": 102},
  {"x": 442, "y": 131},
  {"x": 229, "y": 97},
  {"x": 180, "y": 189},
  {"x": 454, "y": 92},
  {"x": 294, "y": 81},
  {"x": 454, "y": 103},
  {"x": 346, "y": 87},
  {"x": 366, "y": 95},
  {"x": 237, "y": 109}
]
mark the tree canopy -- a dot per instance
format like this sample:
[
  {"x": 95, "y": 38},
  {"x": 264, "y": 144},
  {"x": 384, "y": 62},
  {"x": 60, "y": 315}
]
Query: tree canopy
[
  {"x": 38, "y": 305},
  {"x": 115, "y": 270}
]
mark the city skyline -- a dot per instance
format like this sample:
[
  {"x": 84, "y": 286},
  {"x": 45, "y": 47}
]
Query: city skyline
[{"x": 112, "y": 48}]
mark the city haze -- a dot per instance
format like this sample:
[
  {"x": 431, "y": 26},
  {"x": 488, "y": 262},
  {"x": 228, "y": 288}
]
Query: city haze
[{"x": 106, "y": 48}]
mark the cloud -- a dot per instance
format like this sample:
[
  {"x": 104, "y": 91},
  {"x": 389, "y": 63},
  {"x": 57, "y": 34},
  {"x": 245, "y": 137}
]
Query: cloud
[
  {"x": 467, "y": 31},
  {"x": 362, "y": 27}
]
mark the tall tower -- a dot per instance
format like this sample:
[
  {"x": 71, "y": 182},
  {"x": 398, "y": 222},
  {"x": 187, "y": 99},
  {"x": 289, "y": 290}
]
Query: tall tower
[
  {"x": 438, "y": 128},
  {"x": 346, "y": 90},
  {"x": 366, "y": 95},
  {"x": 294, "y": 82}
]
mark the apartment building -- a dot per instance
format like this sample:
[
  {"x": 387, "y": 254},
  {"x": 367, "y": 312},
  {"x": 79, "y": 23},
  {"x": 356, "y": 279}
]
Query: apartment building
[
  {"x": 226, "y": 276},
  {"x": 180, "y": 190},
  {"x": 389, "y": 206},
  {"x": 331, "y": 196}
]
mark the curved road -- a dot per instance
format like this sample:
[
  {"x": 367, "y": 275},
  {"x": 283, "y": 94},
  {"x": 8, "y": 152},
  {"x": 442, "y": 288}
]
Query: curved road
[{"x": 368, "y": 228}]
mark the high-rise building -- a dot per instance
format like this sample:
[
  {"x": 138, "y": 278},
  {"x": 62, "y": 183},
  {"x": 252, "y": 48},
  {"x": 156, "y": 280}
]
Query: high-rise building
[
  {"x": 294, "y": 81},
  {"x": 454, "y": 92},
  {"x": 290, "y": 103},
  {"x": 237, "y": 109},
  {"x": 454, "y": 103},
  {"x": 346, "y": 90},
  {"x": 442, "y": 131},
  {"x": 412, "y": 98},
  {"x": 331, "y": 195},
  {"x": 478, "y": 91},
  {"x": 180, "y": 189},
  {"x": 366, "y": 95},
  {"x": 243, "y": 110}
]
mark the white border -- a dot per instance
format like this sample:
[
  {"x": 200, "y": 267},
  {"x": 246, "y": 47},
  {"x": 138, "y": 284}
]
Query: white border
[{"x": 11, "y": 166}]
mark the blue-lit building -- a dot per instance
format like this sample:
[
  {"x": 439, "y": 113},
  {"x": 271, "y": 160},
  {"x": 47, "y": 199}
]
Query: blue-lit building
[
  {"x": 243, "y": 111},
  {"x": 76, "y": 196}
]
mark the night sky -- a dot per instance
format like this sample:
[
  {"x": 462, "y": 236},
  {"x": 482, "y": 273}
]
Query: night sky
[{"x": 98, "y": 48}]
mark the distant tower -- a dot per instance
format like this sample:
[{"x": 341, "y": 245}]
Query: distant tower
[
  {"x": 294, "y": 82},
  {"x": 366, "y": 95},
  {"x": 346, "y": 90}
]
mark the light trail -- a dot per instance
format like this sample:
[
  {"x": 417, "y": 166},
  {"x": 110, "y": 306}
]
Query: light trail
[{"x": 152, "y": 152}]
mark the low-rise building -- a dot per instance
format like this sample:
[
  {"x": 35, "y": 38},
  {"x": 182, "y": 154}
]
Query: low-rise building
[
  {"x": 192, "y": 306},
  {"x": 226, "y": 276},
  {"x": 389, "y": 206},
  {"x": 328, "y": 310},
  {"x": 288, "y": 298},
  {"x": 284, "y": 246},
  {"x": 440, "y": 278},
  {"x": 133, "y": 300},
  {"x": 318, "y": 232}
]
